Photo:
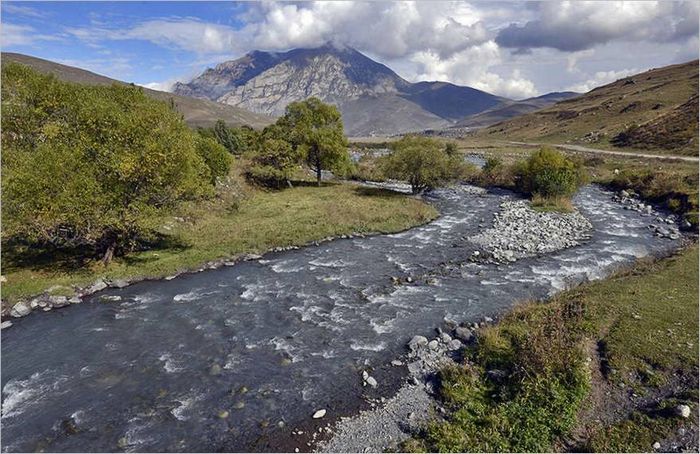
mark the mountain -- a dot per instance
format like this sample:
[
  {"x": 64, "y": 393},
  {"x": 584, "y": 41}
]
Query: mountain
[
  {"x": 373, "y": 99},
  {"x": 513, "y": 109},
  {"x": 653, "y": 110},
  {"x": 197, "y": 112}
]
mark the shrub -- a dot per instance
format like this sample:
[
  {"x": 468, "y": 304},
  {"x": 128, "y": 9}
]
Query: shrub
[
  {"x": 88, "y": 165},
  {"x": 423, "y": 162},
  {"x": 549, "y": 174}
]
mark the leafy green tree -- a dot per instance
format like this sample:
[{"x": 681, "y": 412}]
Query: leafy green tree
[
  {"x": 227, "y": 137},
  {"x": 275, "y": 159},
  {"x": 423, "y": 162},
  {"x": 315, "y": 130},
  {"x": 89, "y": 165},
  {"x": 548, "y": 173}
]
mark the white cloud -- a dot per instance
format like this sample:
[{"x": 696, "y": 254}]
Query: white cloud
[
  {"x": 472, "y": 67},
  {"x": 580, "y": 25},
  {"x": 186, "y": 34},
  {"x": 10, "y": 8},
  {"x": 160, "y": 86},
  {"x": 22, "y": 35},
  {"x": 602, "y": 78}
]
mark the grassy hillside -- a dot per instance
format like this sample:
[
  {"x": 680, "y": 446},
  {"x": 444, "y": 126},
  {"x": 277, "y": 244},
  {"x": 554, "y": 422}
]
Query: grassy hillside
[
  {"x": 197, "y": 112},
  {"x": 654, "y": 109},
  {"x": 512, "y": 109}
]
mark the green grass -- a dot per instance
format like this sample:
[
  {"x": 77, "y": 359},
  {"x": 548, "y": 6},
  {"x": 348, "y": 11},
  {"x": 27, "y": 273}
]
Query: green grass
[
  {"x": 542, "y": 350},
  {"x": 228, "y": 226},
  {"x": 557, "y": 204}
]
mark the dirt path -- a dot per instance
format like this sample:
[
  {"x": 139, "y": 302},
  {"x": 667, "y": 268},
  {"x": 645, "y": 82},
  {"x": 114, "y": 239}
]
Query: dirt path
[{"x": 582, "y": 149}]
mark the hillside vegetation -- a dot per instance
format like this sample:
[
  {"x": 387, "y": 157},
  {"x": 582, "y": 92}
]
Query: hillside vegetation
[
  {"x": 106, "y": 182},
  {"x": 599, "y": 368},
  {"x": 196, "y": 112},
  {"x": 654, "y": 110}
]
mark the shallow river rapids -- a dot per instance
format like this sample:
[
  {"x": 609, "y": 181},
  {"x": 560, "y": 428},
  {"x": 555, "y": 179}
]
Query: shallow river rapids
[{"x": 271, "y": 341}]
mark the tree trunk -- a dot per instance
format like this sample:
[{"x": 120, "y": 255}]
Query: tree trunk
[
  {"x": 318, "y": 173},
  {"x": 109, "y": 253}
]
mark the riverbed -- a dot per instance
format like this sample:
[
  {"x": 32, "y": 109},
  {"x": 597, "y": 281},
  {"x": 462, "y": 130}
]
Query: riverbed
[{"x": 227, "y": 359}]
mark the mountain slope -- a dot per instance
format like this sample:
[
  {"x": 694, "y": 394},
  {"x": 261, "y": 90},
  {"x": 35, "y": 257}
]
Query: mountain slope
[
  {"x": 512, "y": 109},
  {"x": 657, "y": 104},
  {"x": 372, "y": 98},
  {"x": 197, "y": 112}
]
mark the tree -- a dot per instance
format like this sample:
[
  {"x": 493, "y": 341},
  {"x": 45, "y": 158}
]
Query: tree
[
  {"x": 226, "y": 137},
  {"x": 274, "y": 161},
  {"x": 315, "y": 130},
  {"x": 90, "y": 165},
  {"x": 423, "y": 162}
]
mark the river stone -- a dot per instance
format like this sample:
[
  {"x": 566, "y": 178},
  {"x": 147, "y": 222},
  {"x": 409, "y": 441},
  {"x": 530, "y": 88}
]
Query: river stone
[
  {"x": 319, "y": 414},
  {"x": 433, "y": 344},
  {"x": 371, "y": 381},
  {"x": 454, "y": 344},
  {"x": 445, "y": 338},
  {"x": 58, "y": 301},
  {"x": 464, "y": 334},
  {"x": 75, "y": 300},
  {"x": 6, "y": 324},
  {"x": 239, "y": 405},
  {"x": 120, "y": 283},
  {"x": 96, "y": 286},
  {"x": 683, "y": 411},
  {"x": 20, "y": 309},
  {"x": 215, "y": 369},
  {"x": 365, "y": 375},
  {"x": 396, "y": 363},
  {"x": 416, "y": 342},
  {"x": 223, "y": 414}
]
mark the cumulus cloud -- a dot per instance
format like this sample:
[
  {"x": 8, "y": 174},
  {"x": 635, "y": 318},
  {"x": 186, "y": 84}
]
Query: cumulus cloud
[
  {"x": 579, "y": 25},
  {"x": 390, "y": 30},
  {"x": 472, "y": 67},
  {"x": 602, "y": 78}
]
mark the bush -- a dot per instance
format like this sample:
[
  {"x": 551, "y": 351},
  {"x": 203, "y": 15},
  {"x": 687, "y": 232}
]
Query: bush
[
  {"x": 216, "y": 157},
  {"x": 88, "y": 165},
  {"x": 272, "y": 166},
  {"x": 423, "y": 162},
  {"x": 548, "y": 173}
]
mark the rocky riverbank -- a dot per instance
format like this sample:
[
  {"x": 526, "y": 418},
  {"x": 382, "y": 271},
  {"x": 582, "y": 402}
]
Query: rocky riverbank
[
  {"x": 60, "y": 296},
  {"x": 518, "y": 231},
  {"x": 386, "y": 426}
]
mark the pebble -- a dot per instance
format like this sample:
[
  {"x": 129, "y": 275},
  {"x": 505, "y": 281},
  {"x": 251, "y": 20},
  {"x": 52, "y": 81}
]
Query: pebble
[
  {"x": 372, "y": 382},
  {"x": 683, "y": 411},
  {"x": 656, "y": 445},
  {"x": 396, "y": 363},
  {"x": 223, "y": 414},
  {"x": 319, "y": 414},
  {"x": 5, "y": 324}
]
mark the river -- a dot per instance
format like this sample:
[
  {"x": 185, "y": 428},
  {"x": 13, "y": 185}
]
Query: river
[{"x": 271, "y": 341}]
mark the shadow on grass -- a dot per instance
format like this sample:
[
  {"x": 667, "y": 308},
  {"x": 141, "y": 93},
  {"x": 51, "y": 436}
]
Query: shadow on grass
[
  {"x": 20, "y": 255},
  {"x": 378, "y": 192}
]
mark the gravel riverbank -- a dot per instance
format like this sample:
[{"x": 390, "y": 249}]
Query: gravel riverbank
[{"x": 519, "y": 231}]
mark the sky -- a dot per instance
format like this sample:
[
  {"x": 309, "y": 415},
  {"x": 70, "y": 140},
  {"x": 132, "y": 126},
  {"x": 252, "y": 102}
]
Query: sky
[{"x": 513, "y": 49}]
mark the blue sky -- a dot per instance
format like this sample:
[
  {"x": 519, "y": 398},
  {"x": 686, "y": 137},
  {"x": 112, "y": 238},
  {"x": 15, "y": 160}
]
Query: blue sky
[{"x": 514, "y": 49}]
